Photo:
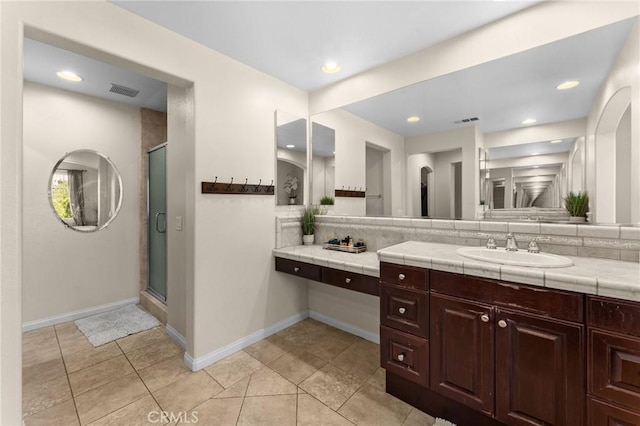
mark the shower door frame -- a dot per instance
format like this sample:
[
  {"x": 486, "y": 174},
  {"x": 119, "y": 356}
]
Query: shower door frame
[{"x": 149, "y": 289}]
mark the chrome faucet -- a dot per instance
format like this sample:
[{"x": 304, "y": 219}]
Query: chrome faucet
[
  {"x": 533, "y": 246},
  {"x": 511, "y": 243}
]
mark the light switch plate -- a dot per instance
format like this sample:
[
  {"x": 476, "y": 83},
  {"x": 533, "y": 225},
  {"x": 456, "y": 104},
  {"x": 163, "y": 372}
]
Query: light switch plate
[{"x": 178, "y": 223}]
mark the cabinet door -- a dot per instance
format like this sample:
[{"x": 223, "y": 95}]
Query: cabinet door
[
  {"x": 605, "y": 414},
  {"x": 614, "y": 368},
  {"x": 462, "y": 351},
  {"x": 540, "y": 368}
]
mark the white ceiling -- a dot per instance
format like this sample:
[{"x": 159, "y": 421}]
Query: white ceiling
[
  {"x": 291, "y": 40},
  {"x": 42, "y": 62}
]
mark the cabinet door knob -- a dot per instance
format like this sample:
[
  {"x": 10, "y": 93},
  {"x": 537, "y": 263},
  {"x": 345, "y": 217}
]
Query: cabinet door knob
[
  {"x": 401, "y": 357},
  {"x": 296, "y": 269},
  {"x": 402, "y": 310},
  {"x": 502, "y": 324},
  {"x": 484, "y": 318},
  {"x": 401, "y": 277},
  {"x": 347, "y": 280}
]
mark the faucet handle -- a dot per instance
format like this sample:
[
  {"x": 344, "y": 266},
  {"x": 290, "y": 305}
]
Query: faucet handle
[
  {"x": 533, "y": 246},
  {"x": 491, "y": 243}
]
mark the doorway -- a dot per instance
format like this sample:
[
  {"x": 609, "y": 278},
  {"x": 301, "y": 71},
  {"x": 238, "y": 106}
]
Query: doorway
[
  {"x": 157, "y": 221},
  {"x": 425, "y": 173},
  {"x": 378, "y": 181}
]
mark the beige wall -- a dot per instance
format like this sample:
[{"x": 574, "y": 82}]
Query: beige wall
[
  {"x": 227, "y": 131},
  {"x": 67, "y": 271}
]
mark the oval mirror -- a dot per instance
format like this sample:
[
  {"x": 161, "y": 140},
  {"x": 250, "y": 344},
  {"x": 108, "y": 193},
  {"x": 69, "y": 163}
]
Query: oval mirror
[{"x": 85, "y": 190}]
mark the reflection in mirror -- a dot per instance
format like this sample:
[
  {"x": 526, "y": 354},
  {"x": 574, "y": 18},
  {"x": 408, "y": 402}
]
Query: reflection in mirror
[
  {"x": 291, "y": 149},
  {"x": 323, "y": 147},
  {"x": 85, "y": 190},
  {"x": 485, "y": 106}
]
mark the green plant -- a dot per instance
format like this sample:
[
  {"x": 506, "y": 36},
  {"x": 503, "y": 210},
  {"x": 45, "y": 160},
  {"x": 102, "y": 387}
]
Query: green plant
[
  {"x": 326, "y": 201},
  {"x": 577, "y": 204},
  {"x": 482, "y": 202},
  {"x": 308, "y": 219}
]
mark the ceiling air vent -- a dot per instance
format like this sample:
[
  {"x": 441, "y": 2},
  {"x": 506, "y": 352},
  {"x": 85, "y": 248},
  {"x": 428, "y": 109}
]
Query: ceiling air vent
[
  {"x": 122, "y": 90},
  {"x": 466, "y": 120}
]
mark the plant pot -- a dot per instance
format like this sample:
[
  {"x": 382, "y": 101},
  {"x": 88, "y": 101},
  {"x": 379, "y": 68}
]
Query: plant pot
[
  {"x": 308, "y": 240},
  {"x": 292, "y": 200},
  {"x": 577, "y": 219}
]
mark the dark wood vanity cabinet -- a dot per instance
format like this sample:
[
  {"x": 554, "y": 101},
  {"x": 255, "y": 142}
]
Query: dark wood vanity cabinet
[
  {"x": 520, "y": 368},
  {"x": 404, "y": 322},
  {"x": 613, "y": 362},
  {"x": 514, "y": 353},
  {"x": 339, "y": 278}
]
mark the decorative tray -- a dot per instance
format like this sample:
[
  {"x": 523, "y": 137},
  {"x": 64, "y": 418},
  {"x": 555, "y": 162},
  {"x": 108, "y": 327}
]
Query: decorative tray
[{"x": 346, "y": 249}]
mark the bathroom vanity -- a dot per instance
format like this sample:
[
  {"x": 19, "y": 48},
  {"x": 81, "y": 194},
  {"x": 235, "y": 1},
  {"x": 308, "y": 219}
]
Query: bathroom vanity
[{"x": 488, "y": 344}]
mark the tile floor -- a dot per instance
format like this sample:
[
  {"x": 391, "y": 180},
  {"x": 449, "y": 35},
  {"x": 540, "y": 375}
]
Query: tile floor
[{"x": 307, "y": 374}]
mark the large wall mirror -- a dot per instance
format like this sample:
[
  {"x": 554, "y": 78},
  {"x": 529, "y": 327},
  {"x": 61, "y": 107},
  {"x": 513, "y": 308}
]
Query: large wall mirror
[
  {"x": 323, "y": 162},
  {"x": 85, "y": 190},
  {"x": 500, "y": 135},
  {"x": 291, "y": 157}
]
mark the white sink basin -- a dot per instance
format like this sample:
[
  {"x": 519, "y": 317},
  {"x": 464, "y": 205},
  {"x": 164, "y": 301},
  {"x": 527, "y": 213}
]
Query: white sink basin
[{"x": 515, "y": 258}]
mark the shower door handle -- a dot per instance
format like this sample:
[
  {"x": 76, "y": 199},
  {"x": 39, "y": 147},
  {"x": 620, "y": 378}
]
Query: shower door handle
[{"x": 157, "y": 222}]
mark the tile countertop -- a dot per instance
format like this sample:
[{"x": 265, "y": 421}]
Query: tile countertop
[
  {"x": 362, "y": 263},
  {"x": 611, "y": 278}
]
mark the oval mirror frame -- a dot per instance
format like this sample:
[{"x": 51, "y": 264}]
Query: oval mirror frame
[{"x": 99, "y": 198}]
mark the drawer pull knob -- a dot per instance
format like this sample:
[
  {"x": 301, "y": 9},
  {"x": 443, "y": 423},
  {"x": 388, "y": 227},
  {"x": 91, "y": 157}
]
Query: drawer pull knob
[
  {"x": 502, "y": 324},
  {"x": 296, "y": 269},
  {"x": 485, "y": 318},
  {"x": 401, "y": 277},
  {"x": 401, "y": 357},
  {"x": 347, "y": 280},
  {"x": 402, "y": 310}
]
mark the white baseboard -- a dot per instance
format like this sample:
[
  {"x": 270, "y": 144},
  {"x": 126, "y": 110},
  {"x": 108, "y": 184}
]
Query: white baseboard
[
  {"x": 375, "y": 338},
  {"x": 71, "y": 316},
  {"x": 199, "y": 363},
  {"x": 176, "y": 337}
]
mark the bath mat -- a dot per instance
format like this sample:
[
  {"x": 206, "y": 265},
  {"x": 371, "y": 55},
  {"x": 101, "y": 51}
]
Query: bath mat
[
  {"x": 109, "y": 326},
  {"x": 443, "y": 422}
]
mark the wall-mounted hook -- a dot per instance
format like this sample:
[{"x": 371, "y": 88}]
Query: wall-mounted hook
[
  {"x": 257, "y": 187},
  {"x": 270, "y": 186},
  {"x": 244, "y": 187},
  {"x": 228, "y": 188},
  {"x": 214, "y": 184}
]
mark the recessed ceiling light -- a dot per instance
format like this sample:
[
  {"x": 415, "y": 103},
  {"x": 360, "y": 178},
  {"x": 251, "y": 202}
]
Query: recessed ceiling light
[
  {"x": 413, "y": 119},
  {"x": 556, "y": 141},
  {"x": 69, "y": 75},
  {"x": 535, "y": 153},
  {"x": 291, "y": 146},
  {"x": 567, "y": 85},
  {"x": 529, "y": 121},
  {"x": 536, "y": 167},
  {"x": 331, "y": 68}
]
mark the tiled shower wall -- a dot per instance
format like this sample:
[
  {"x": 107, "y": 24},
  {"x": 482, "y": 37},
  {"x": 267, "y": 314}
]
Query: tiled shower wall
[{"x": 608, "y": 242}]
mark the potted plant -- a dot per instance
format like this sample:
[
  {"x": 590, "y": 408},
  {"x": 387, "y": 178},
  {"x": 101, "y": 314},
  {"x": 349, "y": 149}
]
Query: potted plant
[
  {"x": 291, "y": 188},
  {"x": 577, "y": 205},
  {"x": 326, "y": 201},
  {"x": 308, "y": 223}
]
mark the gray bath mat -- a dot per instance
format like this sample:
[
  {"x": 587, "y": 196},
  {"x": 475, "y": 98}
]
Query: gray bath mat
[
  {"x": 112, "y": 325},
  {"x": 443, "y": 422}
]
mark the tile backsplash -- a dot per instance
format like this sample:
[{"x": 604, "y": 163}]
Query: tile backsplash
[{"x": 607, "y": 242}]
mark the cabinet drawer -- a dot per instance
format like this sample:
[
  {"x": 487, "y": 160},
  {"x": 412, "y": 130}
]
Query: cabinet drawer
[
  {"x": 301, "y": 269},
  {"x": 405, "y": 309},
  {"x": 615, "y": 315},
  {"x": 404, "y": 355},
  {"x": 538, "y": 300},
  {"x": 405, "y": 276},
  {"x": 352, "y": 281},
  {"x": 614, "y": 368},
  {"x": 603, "y": 414}
]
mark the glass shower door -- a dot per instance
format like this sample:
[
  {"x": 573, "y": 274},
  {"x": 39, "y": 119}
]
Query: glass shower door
[{"x": 157, "y": 222}]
